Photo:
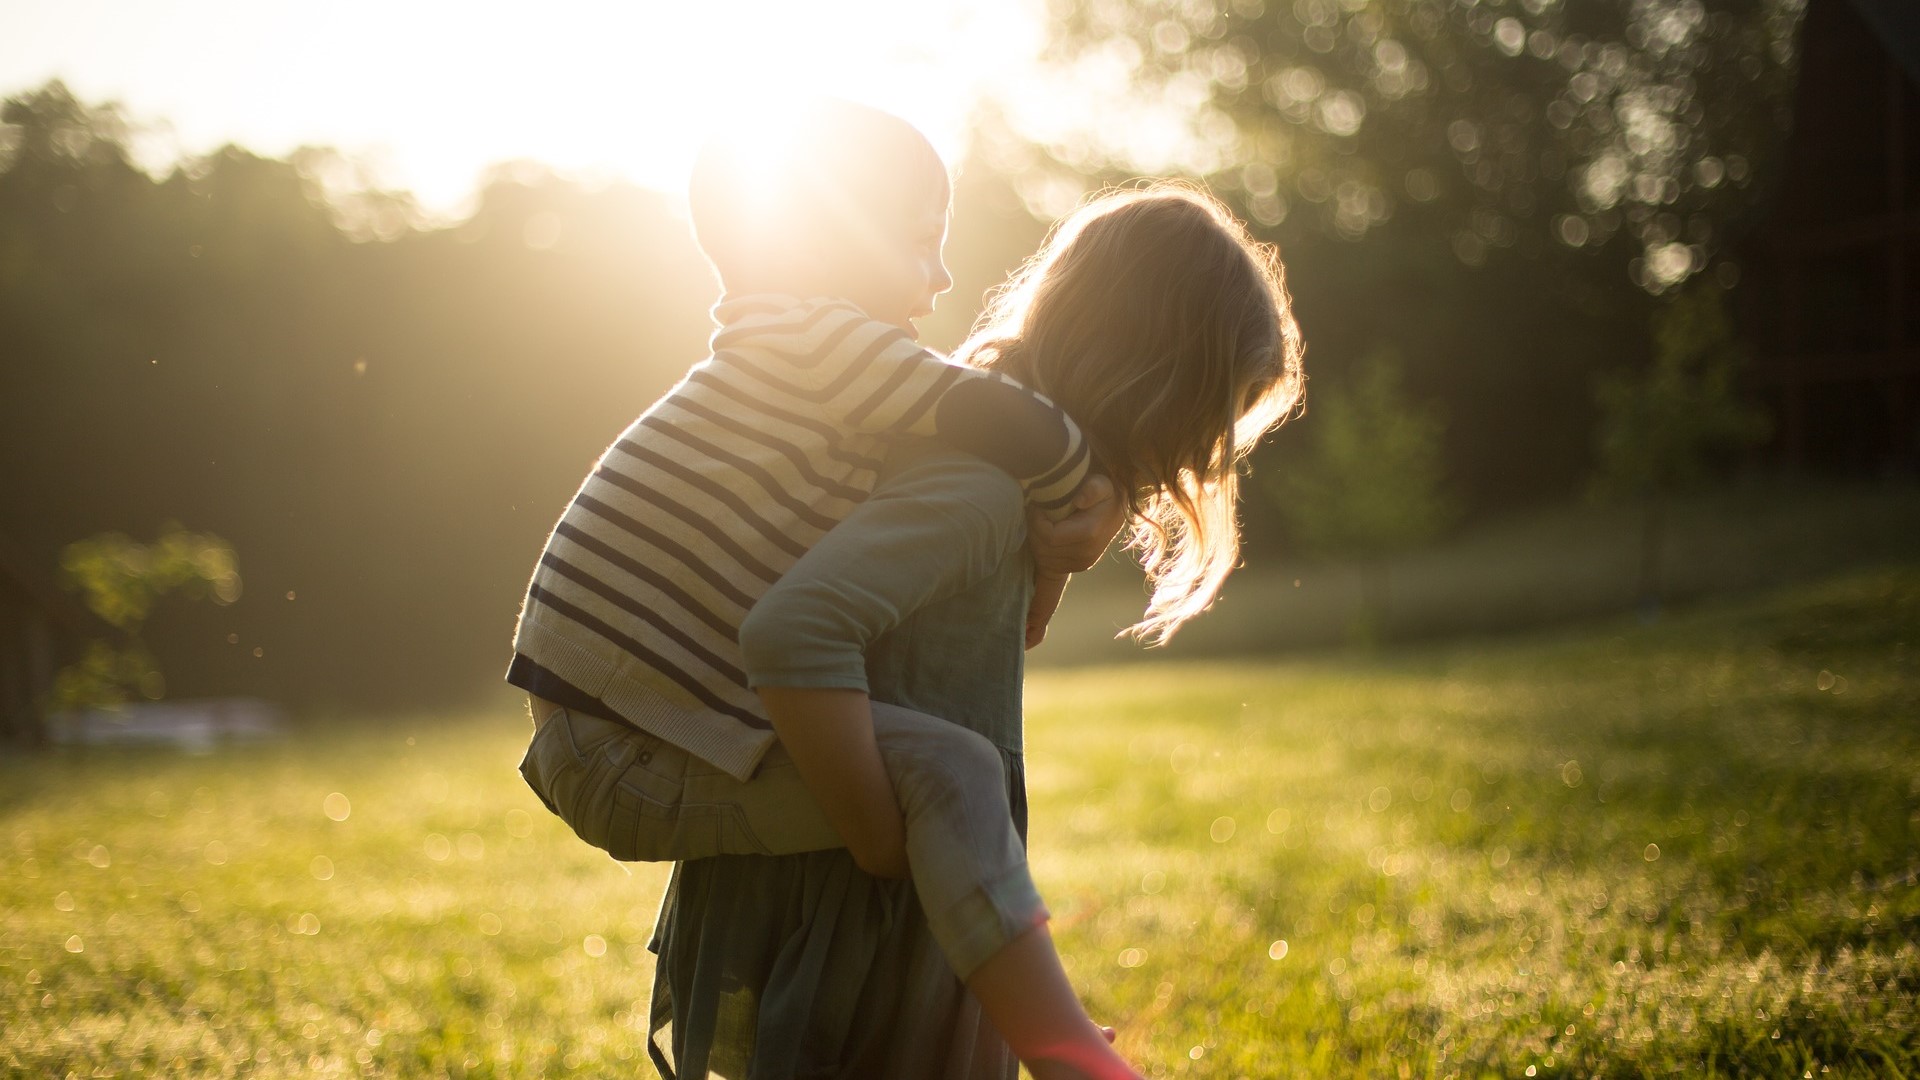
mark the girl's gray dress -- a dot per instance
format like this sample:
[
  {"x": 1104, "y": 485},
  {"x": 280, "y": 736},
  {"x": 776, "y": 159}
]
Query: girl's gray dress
[{"x": 801, "y": 966}]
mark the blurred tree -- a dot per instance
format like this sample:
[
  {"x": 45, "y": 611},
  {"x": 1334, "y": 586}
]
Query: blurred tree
[
  {"x": 120, "y": 579},
  {"x": 385, "y": 414},
  {"x": 48, "y": 131},
  {"x": 1372, "y": 486},
  {"x": 1660, "y": 427},
  {"x": 1531, "y": 124}
]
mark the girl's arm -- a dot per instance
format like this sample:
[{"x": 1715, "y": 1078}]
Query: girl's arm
[
  {"x": 1047, "y": 591},
  {"x": 829, "y": 735},
  {"x": 934, "y": 527}
]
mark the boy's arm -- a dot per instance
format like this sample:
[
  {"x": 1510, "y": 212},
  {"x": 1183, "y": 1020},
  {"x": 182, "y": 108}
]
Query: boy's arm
[
  {"x": 1016, "y": 430},
  {"x": 871, "y": 377}
]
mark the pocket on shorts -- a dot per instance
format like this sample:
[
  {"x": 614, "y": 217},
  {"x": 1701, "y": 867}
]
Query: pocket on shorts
[
  {"x": 648, "y": 831},
  {"x": 651, "y": 818},
  {"x": 645, "y": 828},
  {"x": 738, "y": 835},
  {"x": 574, "y": 763}
]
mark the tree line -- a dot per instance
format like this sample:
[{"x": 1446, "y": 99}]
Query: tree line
[{"x": 383, "y": 417}]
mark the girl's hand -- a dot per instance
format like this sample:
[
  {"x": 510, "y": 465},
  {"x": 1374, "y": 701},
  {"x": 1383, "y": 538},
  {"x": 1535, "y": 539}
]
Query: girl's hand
[
  {"x": 1077, "y": 541},
  {"x": 1047, "y": 590}
]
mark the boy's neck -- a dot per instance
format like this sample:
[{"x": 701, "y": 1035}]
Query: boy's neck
[{"x": 786, "y": 296}]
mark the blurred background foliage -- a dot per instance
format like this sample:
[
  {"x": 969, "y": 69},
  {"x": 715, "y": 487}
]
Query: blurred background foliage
[
  {"x": 1491, "y": 126},
  {"x": 383, "y": 415},
  {"x": 120, "y": 579},
  {"x": 382, "y": 428},
  {"x": 1371, "y": 488},
  {"x": 1661, "y": 428}
]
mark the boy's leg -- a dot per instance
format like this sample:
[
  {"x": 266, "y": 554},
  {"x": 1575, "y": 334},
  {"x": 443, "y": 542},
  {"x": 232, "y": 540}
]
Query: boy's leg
[
  {"x": 1024, "y": 991},
  {"x": 641, "y": 799},
  {"x": 969, "y": 866},
  {"x": 970, "y": 871},
  {"x": 645, "y": 800}
]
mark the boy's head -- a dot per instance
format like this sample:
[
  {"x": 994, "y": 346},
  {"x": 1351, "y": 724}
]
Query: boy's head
[{"x": 829, "y": 199}]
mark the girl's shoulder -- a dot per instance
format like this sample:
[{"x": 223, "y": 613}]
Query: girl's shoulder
[{"x": 956, "y": 484}]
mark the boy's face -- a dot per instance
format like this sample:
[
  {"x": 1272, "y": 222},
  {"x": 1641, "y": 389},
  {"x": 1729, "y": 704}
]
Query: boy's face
[{"x": 907, "y": 267}]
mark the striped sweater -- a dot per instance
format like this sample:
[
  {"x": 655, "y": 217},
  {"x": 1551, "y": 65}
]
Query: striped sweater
[{"x": 720, "y": 486}]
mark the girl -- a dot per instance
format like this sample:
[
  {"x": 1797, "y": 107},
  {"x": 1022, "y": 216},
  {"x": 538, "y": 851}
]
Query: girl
[{"x": 1154, "y": 320}]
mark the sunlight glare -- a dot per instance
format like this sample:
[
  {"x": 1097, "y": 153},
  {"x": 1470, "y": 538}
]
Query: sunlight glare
[{"x": 429, "y": 95}]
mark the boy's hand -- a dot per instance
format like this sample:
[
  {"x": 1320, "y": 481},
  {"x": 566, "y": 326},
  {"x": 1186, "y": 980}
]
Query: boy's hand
[{"x": 1076, "y": 541}]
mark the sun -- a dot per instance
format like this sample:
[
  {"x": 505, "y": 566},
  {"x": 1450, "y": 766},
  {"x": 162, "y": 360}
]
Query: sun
[
  {"x": 430, "y": 93},
  {"x": 651, "y": 84}
]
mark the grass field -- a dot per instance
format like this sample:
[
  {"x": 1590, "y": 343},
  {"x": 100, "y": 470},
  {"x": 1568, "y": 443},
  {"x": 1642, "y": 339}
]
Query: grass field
[{"x": 1692, "y": 849}]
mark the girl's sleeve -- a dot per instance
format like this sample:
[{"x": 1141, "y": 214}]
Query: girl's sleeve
[
  {"x": 864, "y": 376},
  {"x": 943, "y": 523}
]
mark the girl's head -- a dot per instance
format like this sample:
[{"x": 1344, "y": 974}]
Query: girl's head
[{"x": 1165, "y": 330}]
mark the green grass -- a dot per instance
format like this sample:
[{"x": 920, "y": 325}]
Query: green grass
[{"x": 1689, "y": 850}]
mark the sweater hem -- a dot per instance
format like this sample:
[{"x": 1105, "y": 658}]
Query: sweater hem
[{"x": 722, "y": 741}]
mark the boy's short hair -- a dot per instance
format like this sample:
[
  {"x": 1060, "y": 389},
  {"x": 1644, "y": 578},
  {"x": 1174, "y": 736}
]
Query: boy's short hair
[{"x": 830, "y": 179}]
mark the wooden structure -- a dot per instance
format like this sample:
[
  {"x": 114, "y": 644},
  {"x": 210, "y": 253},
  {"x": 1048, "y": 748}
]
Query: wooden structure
[{"x": 1833, "y": 303}]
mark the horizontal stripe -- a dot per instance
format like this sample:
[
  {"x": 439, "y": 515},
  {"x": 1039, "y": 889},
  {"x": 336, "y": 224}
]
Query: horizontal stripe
[
  {"x": 660, "y": 582},
  {"x": 753, "y": 332},
  {"x": 761, "y": 367},
  {"x": 654, "y": 660},
  {"x": 780, "y": 446},
  {"x": 1065, "y": 468},
  {"x": 915, "y": 364},
  {"x": 719, "y": 494},
  {"x": 828, "y": 435},
  {"x": 671, "y": 547},
  {"x": 777, "y": 321},
  {"x": 765, "y": 365},
  {"x": 858, "y": 366},
  {"x": 774, "y": 488},
  {"x": 905, "y": 422},
  {"x": 829, "y": 345},
  {"x": 632, "y": 606},
  {"x": 724, "y": 482}
]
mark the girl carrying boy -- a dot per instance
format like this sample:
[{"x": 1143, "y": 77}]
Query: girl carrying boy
[{"x": 1153, "y": 319}]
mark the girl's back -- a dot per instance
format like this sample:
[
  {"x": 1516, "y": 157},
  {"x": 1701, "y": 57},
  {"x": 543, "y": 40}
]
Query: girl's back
[
  {"x": 714, "y": 492},
  {"x": 802, "y": 963}
]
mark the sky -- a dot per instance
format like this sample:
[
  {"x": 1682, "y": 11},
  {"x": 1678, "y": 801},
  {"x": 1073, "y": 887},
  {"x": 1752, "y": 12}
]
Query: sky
[{"x": 430, "y": 93}]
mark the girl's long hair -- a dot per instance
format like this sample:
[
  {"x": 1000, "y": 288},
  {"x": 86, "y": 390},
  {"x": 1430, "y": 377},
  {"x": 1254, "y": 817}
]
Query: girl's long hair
[{"x": 1165, "y": 330}]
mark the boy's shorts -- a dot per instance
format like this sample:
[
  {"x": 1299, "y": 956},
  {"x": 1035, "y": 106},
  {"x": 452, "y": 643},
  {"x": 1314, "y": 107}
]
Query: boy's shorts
[{"x": 640, "y": 798}]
